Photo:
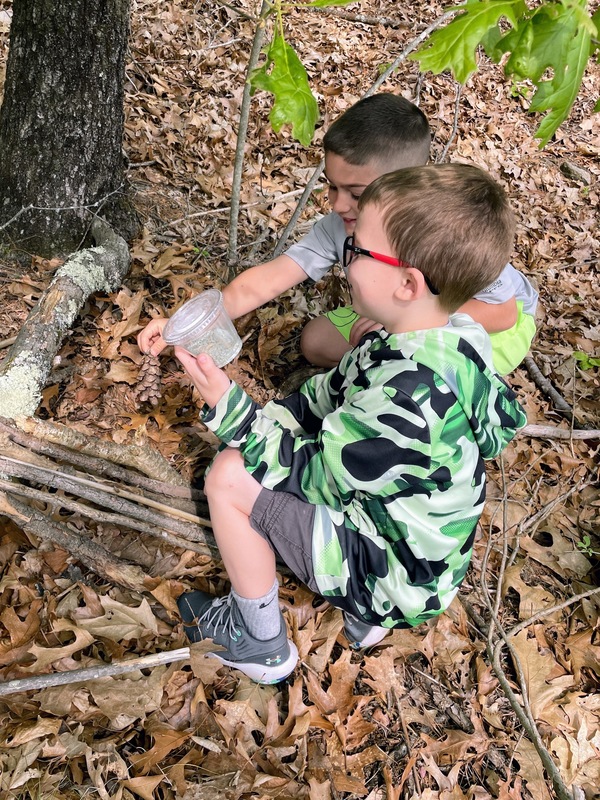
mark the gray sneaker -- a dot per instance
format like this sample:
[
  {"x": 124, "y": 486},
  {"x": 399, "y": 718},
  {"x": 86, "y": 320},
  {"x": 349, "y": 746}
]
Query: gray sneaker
[
  {"x": 360, "y": 634},
  {"x": 219, "y": 619}
]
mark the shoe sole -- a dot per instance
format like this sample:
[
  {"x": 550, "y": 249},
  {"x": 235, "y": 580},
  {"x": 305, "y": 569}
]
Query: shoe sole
[
  {"x": 371, "y": 639},
  {"x": 260, "y": 673}
]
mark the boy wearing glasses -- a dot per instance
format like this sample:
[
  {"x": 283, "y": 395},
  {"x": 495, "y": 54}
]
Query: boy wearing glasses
[
  {"x": 379, "y": 134},
  {"x": 368, "y": 482}
]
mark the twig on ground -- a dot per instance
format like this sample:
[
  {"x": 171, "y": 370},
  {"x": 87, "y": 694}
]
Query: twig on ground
[
  {"x": 560, "y": 404},
  {"x": 93, "y": 673},
  {"x": 363, "y": 19},
  {"x": 552, "y": 432},
  {"x": 547, "y": 611},
  {"x": 494, "y": 647},
  {"x": 227, "y": 209}
]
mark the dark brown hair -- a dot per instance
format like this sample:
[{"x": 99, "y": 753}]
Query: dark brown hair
[
  {"x": 451, "y": 221},
  {"x": 384, "y": 128}
]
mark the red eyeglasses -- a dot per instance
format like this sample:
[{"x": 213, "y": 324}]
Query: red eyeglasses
[{"x": 351, "y": 250}]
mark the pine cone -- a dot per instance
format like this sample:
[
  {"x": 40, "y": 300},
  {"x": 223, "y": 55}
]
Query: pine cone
[{"x": 148, "y": 388}]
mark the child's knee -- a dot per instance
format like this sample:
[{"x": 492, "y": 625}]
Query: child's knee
[
  {"x": 223, "y": 471},
  {"x": 310, "y": 337},
  {"x": 321, "y": 343}
]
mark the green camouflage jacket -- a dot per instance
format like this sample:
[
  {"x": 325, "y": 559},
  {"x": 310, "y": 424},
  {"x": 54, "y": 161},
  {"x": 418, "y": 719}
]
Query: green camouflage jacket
[{"x": 390, "y": 444}]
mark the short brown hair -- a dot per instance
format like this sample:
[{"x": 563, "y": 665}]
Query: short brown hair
[
  {"x": 451, "y": 221},
  {"x": 385, "y": 128}
]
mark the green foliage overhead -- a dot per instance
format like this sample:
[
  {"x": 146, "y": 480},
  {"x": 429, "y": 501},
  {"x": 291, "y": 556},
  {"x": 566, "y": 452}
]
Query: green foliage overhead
[
  {"x": 284, "y": 75},
  {"x": 549, "y": 45}
]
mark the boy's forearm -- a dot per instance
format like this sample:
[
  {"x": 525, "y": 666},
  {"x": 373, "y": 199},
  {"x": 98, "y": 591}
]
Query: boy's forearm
[{"x": 258, "y": 285}]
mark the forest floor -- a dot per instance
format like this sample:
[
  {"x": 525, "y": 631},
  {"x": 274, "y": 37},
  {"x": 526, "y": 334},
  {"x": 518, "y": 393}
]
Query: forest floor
[{"x": 424, "y": 715}]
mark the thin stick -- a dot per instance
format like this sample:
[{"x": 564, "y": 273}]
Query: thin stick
[
  {"x": 454, "y": 130},
  {"x": 238, "y": 165},
  {"x": 227, "y": 209},
  {"x": 522, "y": 709},
  {"x": 551, "y": 432},
  {"x": 547, "y": 611},
  {"x": 560, "y": 404},
  {"x": 93, "y": 673}
]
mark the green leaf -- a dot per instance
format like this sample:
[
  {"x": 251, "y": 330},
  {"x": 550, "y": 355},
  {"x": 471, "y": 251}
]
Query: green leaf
[
  {"x": 285, "y": 77},
  {"x": 454, "y": 47},
  {"x": 555, "y": 38}
]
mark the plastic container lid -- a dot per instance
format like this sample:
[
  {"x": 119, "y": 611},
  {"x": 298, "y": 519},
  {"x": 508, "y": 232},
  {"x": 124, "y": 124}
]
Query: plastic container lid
[
  {"x": 203, "y": 326},
  {"x": 193, "y": 316}
]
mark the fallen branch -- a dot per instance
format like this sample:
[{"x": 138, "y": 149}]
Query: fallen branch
[
  {"x": 93, "y": 673},
  {"x": 90, "y": 460},
  {"x": 142, "y": 457},
  {"x": 105, "y": 497},
  {"x": 92, "y": 555},
  {"x": 560, "y": 404},
  {"x": 25, "y": 370},
  {"x": 552, "y": 432}
]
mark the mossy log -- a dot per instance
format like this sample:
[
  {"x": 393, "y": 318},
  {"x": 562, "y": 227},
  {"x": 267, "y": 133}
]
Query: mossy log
[{"x": 26, "y": 368}]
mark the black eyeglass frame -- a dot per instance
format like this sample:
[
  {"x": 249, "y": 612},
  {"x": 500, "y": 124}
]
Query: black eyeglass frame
[{"x": 350, "y": 247}]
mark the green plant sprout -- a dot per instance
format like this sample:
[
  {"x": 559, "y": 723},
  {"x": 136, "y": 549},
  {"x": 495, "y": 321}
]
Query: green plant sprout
[
  {"x": 584, "y": 361},
  {"x": 585, "y": 546}
]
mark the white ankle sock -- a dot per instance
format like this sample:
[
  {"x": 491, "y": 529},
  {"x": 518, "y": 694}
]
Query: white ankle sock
[{"x": 261, "y": 615}]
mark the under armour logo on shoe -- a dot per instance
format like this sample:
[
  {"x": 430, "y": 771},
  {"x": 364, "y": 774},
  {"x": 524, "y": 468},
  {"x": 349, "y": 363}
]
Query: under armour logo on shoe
[{"x": 276, "y": 660}]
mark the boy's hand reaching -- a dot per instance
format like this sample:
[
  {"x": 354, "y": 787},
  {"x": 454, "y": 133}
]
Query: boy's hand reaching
[
  {"x": 150, "y": 339},
  {"x": 211, "y": 382},
  {"x": 360, "y": 327}
]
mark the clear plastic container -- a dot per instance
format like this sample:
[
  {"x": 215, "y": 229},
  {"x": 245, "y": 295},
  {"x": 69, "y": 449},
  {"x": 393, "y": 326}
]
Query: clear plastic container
[{"x": 202, "y": 326}]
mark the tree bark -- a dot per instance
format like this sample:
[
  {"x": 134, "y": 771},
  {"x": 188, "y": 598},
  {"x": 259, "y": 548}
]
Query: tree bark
[{"x": 61, "y": 124}]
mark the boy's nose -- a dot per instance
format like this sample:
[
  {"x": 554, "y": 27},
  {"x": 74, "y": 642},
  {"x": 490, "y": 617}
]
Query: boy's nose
[{"x": 341, "y": 202}]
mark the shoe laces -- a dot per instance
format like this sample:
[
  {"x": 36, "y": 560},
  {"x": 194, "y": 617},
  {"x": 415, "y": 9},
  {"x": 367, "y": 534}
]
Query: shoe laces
[{"x": 220, "y": 613}]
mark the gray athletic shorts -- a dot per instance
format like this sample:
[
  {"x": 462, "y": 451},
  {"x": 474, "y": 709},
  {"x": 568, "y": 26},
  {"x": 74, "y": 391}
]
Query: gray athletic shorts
[{"x": 287, "y": 524}]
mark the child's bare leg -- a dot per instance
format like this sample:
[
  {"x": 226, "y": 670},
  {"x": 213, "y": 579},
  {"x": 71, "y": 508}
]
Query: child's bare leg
[
  {"x": 248, "y": 558},
  {"x": 322, "y": 344}
]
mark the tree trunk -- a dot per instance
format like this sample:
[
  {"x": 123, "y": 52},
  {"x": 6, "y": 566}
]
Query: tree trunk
[{"x": 61, "y": 124}]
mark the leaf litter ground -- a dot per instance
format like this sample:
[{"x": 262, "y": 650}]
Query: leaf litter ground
[{"x": 424, "y": 715}]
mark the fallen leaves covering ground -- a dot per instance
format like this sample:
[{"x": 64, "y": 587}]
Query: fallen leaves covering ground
[{"x": 425, "y": 715}]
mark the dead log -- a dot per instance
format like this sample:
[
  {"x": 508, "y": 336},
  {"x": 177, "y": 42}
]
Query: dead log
[
  {"x": 95, "y": 490},
  {"x": 26, "y": 368},
  {"x": 92, "y": 555}
]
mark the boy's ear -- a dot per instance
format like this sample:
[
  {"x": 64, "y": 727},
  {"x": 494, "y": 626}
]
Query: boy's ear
[{"x": 412, "y": 285}]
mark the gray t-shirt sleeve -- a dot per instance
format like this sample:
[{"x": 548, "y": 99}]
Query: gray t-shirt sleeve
[
  {"x": 321, "y": 248},
  {"x": 510, "y": 283}
]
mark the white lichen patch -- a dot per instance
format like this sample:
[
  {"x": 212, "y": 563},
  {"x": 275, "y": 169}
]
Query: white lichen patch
[
  {"x": 20, "y": 387},
  {"x": 86, "y": 272}
]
